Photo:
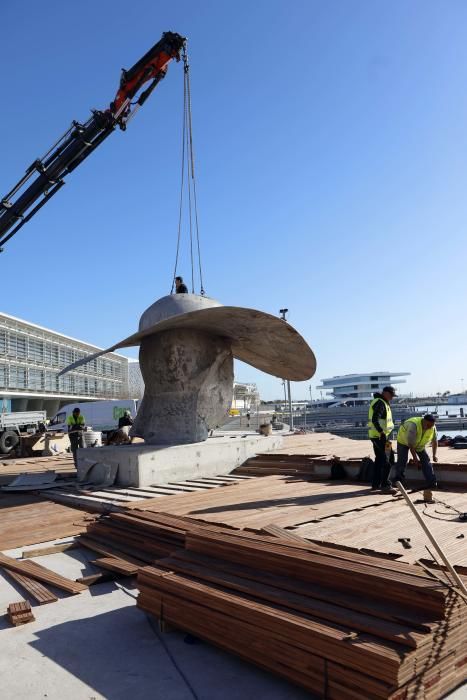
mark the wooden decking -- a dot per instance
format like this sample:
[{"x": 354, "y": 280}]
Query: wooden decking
[
  {"x": 337, "y": 513},
  {"x": 29, "y": 519},
  {"x": 11, "y": 468}
]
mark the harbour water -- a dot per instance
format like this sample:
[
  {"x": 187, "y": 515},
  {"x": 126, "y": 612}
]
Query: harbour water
[
  {"x": 451, "y": 433},
  {"x": 443, "y": 409},
  {"x": 352, "y": 421}
]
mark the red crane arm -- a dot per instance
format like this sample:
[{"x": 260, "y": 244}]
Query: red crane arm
[{"x": 152, "y": 66}]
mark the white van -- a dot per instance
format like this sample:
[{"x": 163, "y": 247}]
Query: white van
[{"x": 98, "y": 415}]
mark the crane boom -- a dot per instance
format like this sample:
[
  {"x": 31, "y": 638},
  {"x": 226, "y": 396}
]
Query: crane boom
[{"x": 45, "y": 176}]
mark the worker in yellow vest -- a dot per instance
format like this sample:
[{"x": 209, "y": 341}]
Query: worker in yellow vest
[
  {"x": 76, "y": 424},
  {"x": 380, "y": 427},
  {"x": 413, "y": 436}
]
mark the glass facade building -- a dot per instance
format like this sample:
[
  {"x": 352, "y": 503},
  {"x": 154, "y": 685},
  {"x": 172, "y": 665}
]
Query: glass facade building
[{"x": 32, "y": 356}]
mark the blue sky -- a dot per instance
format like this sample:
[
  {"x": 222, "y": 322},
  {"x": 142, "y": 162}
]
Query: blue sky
[{"x": 330, "y": 143}]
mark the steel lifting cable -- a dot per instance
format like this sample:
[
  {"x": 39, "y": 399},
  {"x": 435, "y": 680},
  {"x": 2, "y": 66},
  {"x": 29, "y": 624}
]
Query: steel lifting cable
[
  {"x": 188, "y": 158},
  {"x": 192, "y": 164},
  {"x": 182, "y": 186},
  {"x": 190, "y": 211}
]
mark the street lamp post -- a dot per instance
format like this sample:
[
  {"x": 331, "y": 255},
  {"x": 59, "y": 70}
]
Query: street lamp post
[{"x": 282, "y": 315}]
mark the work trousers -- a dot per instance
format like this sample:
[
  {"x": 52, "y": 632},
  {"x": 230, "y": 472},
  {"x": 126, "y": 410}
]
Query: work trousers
[
  {"x": 76, "y": 440},
  {"x": 383, "y": 464},
  {"x": 403, "y": 452}
]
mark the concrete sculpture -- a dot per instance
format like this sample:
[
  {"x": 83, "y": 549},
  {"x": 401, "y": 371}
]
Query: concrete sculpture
[{"x": 187, "y": 346}]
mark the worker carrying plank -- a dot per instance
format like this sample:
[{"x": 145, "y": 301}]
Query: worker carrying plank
[
  {"x": 76, "y": 424},
  {"x": 413, "y": 436},
  {"x": 380, "y": 427}
]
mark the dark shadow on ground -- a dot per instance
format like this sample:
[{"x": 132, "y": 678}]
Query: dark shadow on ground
[
  {"x": 120, "y": 655},
  {"x": 309, "y": 500},
  {"x": 114, "y": 653},
  {"x": 16, "y": 500}
]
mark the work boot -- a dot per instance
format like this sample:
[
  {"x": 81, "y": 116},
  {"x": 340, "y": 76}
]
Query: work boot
[
  {"x": 390, "y": 490},
  {"x": 428, "y": 496}
]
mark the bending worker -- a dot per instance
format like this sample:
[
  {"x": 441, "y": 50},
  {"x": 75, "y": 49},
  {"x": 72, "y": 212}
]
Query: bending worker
[
  {"x": 76, "y": 425},
  {"x": 380, "y": 427},
  {"x": 413, "y": 436}
]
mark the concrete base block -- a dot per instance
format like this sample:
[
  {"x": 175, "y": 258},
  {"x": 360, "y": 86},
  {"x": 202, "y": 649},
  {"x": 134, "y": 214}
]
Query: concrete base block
[{"x": 147, "y": 465}]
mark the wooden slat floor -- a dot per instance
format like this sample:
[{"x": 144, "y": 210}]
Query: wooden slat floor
[
  {"x": 11, "y": 468},
  {"x": 378, "y": 529},
  {"x": 113, "y": 497},
  {"x": 28, "y": 519},
  {"x": 283, "y": 500},
  {"x": 341, "y": 513}
]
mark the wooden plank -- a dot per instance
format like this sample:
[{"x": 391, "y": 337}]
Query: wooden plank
[
  {"x": 120, "y": 566},
  {"x": 43, "y": 551},
  {"x": 385, "y": 660},
  {"x": 40, "y": 573},
  {"x": 324, "y": 610},
  {"x": 346, "y": 601},
  {"x": 282, "y": 533},
  {"x": 33, "y": 588},
  {"x": 108, "y": 551},
  {"x": 317, "y": 568},
  {"x": 101, "y": 577}
]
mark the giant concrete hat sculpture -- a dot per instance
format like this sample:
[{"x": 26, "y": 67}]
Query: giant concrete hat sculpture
[{"x": 187, "y": 345}]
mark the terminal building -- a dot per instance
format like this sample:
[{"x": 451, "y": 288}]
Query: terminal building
[
  {"x": 358, "y": 389},
  {"x": 31, "y": 357}
]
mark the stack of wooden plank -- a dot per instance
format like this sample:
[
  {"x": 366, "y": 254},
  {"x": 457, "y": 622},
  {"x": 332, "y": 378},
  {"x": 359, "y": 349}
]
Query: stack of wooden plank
[
  {"x": 20, "y": 613},
  {"x": 343, "y": 625},
  {"x": 291, "y": 465},
  {"x": 133, "y": 539}
]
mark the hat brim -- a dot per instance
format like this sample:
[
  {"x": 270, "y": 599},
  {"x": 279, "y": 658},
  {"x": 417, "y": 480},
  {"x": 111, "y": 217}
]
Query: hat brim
[{"x": 259, "y": 339}]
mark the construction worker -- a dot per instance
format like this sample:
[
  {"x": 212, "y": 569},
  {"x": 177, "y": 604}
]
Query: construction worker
[
  {"x": 413, "y": 436},
  {"x": 380, "y": 427},
  {"x": 76, "y": 424},
  {"x": 124, "y": 424},
  {"x": 125, "y": 421},
  {"x": 180, "y": 287}
]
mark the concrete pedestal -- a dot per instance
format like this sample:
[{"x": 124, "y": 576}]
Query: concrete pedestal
[{"x": 146, "y": 465}]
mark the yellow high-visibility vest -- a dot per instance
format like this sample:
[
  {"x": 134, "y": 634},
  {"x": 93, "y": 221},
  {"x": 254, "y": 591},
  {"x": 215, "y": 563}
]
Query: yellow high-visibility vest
[
  {"x": 423, "y": 436},
  {"x": 71, "y": 420},
  {"x": 387, "y": 425}
]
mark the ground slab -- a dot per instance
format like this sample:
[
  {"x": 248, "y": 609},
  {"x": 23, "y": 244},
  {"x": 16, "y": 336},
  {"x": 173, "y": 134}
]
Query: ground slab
[{"x": 99, "y": 645}]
